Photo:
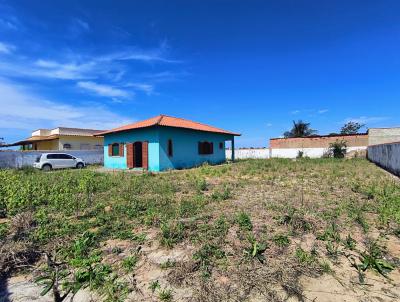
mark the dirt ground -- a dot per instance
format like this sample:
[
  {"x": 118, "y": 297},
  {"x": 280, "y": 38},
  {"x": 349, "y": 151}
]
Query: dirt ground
[{"x": 287, "y": 231}]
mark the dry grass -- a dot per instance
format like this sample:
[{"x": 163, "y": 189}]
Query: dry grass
[{"x": 254, "y": 230}]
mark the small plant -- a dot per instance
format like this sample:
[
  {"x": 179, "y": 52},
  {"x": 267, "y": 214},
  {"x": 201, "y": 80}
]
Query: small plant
[
  {"x": 350, "y": 243},
  {"x": 116, "y": 250},
  {"x": 244, "y": 221},
  {"x": 330, "y": 234},
  {"x": 165, "y": 295},
  {"x": 332, "y": 249},
  {"x": 172, "y": 232},
  {"x": 372, "y": 258},
  {"x": 201, "y": 185},
  {"x": 129, "y": 263},
  {"x": 300, "y": 154},
  {"x": 206, "y": 256},
  {"x": 3, "y": 230},
  {"x": 281, "y": 240},
  {"x": 326, "y": 268},
  {"x": 154, "y": 285},
  {"x": 167, "y": 264},
  {"x": 255, "y": 250},
  {"x": 304, "y": 257},
  {"x": 223, "y": 194}
]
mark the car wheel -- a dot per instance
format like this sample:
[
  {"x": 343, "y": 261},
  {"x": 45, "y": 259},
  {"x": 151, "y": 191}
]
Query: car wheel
[
  {"x": 46, "y": 167},
  {"x": 80, "y": 165}
]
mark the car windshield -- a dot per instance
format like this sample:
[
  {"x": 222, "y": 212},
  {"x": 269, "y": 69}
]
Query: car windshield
[{"x": 38, "y": 159}]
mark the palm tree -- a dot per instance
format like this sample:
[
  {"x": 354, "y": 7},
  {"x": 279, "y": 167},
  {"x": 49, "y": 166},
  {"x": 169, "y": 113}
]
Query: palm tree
[{"x": 300, "y": 129}]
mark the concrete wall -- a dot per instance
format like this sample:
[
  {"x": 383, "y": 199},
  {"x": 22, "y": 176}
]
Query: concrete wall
[
  {"x": 377, "y": 136},
  {"x": 387, "y": 156},
  {"x": 354, "y": 140},
  {"x": 309, "y": 152},
  {"x": 81, "y": 142},
  {"x": 19, "y": 159},
  {"x": 47, "y": 145},
  {"x": 248, "y": 153}
]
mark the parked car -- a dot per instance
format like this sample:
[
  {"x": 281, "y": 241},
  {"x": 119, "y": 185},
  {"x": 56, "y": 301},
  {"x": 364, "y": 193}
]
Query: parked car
[{"x": 48, "y": 161}]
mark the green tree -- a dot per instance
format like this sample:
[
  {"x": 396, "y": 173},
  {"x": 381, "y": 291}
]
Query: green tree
[
  {"x": 351, "y": 128},
  {"x": 300, "y": 129}
]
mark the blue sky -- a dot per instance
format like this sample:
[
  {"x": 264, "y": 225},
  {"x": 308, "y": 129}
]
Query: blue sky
[{"x": 247, "y": 66}]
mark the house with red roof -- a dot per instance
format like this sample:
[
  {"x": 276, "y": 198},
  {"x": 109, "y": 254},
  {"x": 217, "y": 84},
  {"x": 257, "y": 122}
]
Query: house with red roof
[{"x": 165, "y": 142}]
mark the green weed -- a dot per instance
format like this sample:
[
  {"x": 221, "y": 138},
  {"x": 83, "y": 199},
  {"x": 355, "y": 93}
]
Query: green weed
[{"x": 244, "y": 221}]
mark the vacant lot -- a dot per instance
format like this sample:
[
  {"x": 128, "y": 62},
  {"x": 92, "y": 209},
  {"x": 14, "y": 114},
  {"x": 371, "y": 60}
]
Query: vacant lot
[{"x": 255, "y": 230}]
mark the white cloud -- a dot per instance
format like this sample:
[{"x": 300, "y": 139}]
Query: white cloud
[
  {"x": 77, "y": 27},
  {"x": 22, "y": 109},
  {"x": 82, "y": 24},
  {"x": 49, "y": 69},
  {"x": 269, "y": 125},
  {"x": 295, "y": 112},
  {"x": 322, "y": 111},
  {"x": 10, "y": 23},
  {"x": 6, "y": 48},
  {"x": 104, "y": 90},
  {"x": 66, "y": 71},
  {"x": 366, "y": 119},
  {"x": 147, "y": 88}
]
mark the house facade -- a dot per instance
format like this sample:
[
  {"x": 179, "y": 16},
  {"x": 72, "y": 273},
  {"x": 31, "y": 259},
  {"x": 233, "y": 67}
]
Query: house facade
[
  {"x": 163, "y": 142},
  {"x": 61, "y": 139}
]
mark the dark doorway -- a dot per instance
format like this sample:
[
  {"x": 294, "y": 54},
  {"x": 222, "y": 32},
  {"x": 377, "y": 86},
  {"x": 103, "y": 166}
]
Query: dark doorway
[{"x": 137, "y": 147}]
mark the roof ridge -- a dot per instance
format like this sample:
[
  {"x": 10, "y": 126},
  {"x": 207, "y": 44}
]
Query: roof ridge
[
  {"x": 183, "y": 119},
  {"x": 162, "y": 120},
  {"x": 160, "y": 117}
]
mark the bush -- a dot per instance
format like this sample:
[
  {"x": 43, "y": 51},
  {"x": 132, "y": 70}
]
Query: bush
[{"x": 338, "y": 149}]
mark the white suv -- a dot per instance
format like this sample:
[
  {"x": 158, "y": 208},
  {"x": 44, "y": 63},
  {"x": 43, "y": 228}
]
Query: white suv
[{"x": 48, "y": 161}]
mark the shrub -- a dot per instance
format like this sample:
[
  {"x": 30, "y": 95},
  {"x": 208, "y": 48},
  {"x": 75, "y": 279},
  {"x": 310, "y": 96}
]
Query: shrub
[
  {"x": 244, "y": 221},
  {"x": 338, "y": 149}
]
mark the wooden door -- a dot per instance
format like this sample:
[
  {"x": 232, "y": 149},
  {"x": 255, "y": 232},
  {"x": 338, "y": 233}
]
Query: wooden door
[
  {"x": 130, "y": 156},
  {"x": 145, "y": 155}
]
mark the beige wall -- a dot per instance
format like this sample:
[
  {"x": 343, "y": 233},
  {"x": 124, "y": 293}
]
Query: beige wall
[
  {"x": 81, "y": 142},
  {"x": 383, "y": 135},
  {"x": 359, "y": 140}
]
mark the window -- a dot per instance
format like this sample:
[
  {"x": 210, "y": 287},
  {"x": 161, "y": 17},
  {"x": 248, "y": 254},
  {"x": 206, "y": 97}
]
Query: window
[
  {"x": 98, "y": 147},
  {"x": 67, "y": 146},
  {"x": 221, "y": 145},
  {"x": 206, "y": 148},
  {"x": 115, "y": 149},
  {"x": 59, "y": 156},
  {"x": 170, "y": 150}
]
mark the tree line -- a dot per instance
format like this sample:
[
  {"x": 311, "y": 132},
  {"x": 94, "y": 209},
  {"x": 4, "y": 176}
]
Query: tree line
[{"x": 303, "y": 129}]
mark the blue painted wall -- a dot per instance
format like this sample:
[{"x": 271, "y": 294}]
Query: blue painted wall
[
  {"x": 185, "y": 147},
  {"x": 144, "y": 134}
]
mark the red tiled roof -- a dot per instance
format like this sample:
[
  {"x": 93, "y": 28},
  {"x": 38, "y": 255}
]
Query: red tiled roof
[{"x": 168, "y": 121}]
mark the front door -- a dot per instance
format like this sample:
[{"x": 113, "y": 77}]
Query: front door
[
  {"x": 138, "y": 159},
  {"x": 137, "y": 155}
]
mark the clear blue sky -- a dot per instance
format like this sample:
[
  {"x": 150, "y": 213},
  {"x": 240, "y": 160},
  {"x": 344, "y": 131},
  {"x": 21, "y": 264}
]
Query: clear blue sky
[{"x": 247, "y": 66}]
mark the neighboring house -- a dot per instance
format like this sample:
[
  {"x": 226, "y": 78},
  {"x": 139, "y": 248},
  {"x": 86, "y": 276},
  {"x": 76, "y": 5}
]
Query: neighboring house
[
  {"x": 164, "y": 142},
  {"x": 62, "y": 138},
  {"x": 315, "y": 146},
  {"x": 377, "y": 136}
]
